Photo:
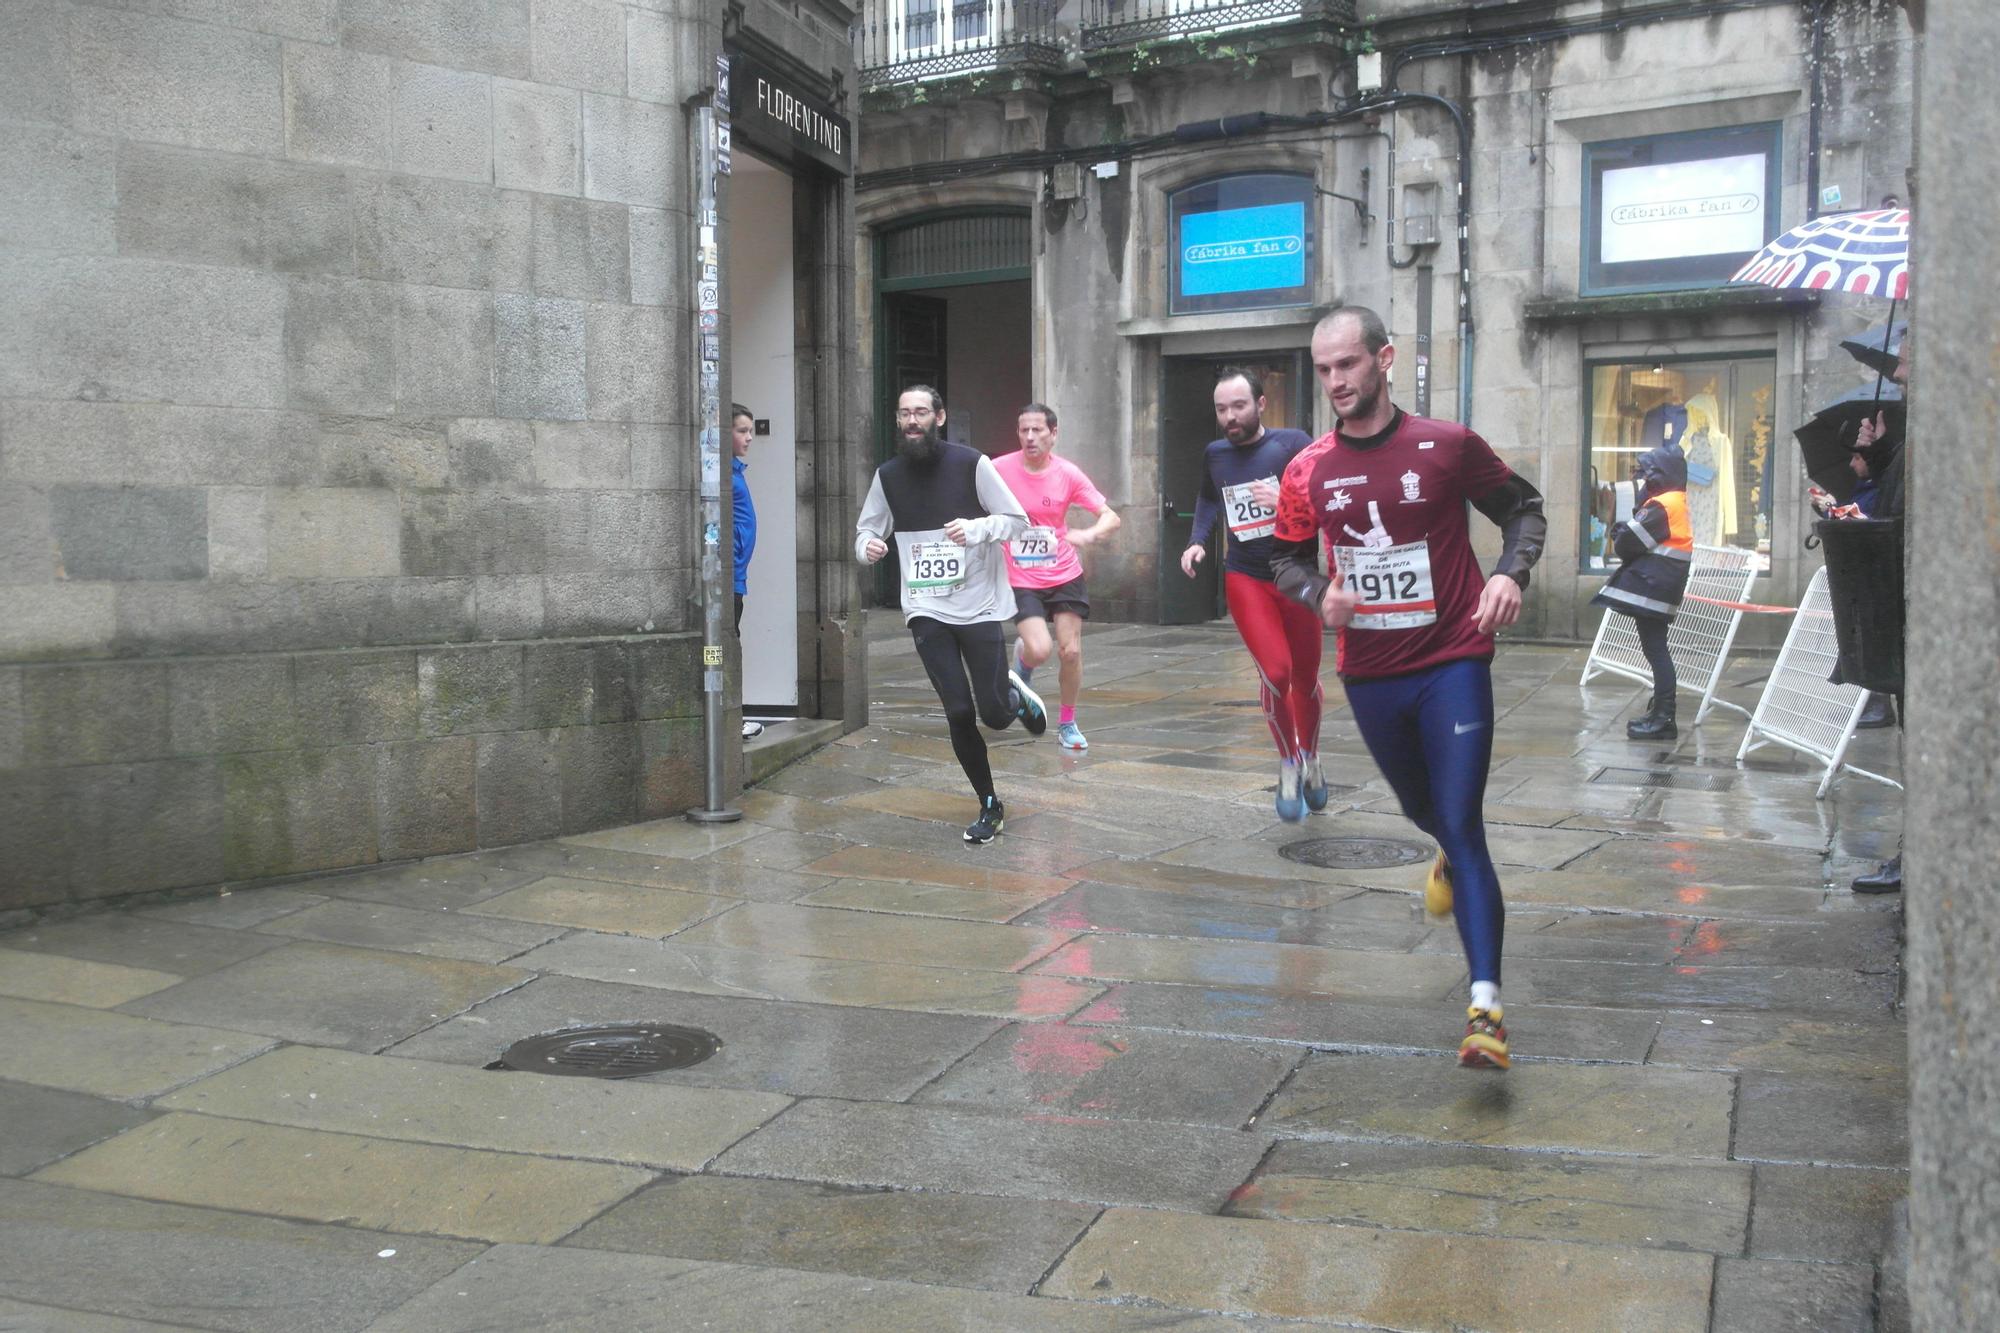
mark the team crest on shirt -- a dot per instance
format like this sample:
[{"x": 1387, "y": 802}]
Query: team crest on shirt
[
  {"x": 1339, "y": 501},
  {"x": 1412, "y": 486}
]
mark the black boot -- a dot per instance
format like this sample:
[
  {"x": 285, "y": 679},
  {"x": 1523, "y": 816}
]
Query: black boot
[
  {"x": 1657, "y": 724},
  {"x": 1888, "y": 879},
  {"x": 1879, "y": 711}
]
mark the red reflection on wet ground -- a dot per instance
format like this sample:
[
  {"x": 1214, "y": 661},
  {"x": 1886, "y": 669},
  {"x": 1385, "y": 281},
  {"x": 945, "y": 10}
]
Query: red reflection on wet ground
[
  {"x": 1691, "y": 893},
  {"x": 1035, "y": 997},
  {"x": 1066, "y": 1053},
  {"x": 1707, "y": 939},
  {"x": 1071, "y": 919}
]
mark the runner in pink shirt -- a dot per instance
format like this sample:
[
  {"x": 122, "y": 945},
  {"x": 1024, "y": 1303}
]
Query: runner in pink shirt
[{"x": 1042, "y": 563}]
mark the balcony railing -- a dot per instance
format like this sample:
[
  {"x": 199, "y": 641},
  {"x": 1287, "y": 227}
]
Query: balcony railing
[
  {"x": 903, "y": 41},
  {"x": 1112, "y": 23}
]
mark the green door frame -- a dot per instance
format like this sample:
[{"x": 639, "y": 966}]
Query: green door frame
[{"x": 884, "y": 397}]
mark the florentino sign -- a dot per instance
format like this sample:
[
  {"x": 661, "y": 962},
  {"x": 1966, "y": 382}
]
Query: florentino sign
[{"x": 775, "y": 114}]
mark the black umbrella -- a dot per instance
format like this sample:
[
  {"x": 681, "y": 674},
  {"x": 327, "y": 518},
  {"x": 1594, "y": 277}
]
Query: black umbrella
[
  {"x": 1879, "y": 347},
  {"x": 1827, "y": 441}
]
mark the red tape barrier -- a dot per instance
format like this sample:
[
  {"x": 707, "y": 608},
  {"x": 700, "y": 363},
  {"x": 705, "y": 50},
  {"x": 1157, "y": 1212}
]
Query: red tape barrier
[{"x": 1745, "y": 606}]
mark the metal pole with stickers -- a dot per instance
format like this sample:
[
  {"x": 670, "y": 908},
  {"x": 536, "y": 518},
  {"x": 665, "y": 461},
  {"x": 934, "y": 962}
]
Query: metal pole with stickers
[{"x": 717, "y": 567}]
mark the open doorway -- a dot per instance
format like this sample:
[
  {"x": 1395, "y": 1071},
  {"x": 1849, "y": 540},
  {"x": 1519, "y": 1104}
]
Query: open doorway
[
  {"x": 1187, "y": 425},
  {"x": 763, "y": 377}
]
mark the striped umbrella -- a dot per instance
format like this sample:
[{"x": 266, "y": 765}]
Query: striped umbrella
[{"x": 1847, "y": 252}]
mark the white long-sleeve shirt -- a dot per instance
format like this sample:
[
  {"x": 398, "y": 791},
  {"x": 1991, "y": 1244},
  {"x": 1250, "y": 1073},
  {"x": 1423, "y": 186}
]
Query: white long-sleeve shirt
[{"x": 984, "y": 593}]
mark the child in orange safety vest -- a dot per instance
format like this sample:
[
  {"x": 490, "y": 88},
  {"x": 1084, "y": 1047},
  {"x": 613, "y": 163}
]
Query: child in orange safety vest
[{"x": 1656, "y": 546}]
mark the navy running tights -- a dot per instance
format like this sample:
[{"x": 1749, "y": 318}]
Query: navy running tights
[
  {"x": 967, "y": 665},
  {"x": 1431, "y": 733}
]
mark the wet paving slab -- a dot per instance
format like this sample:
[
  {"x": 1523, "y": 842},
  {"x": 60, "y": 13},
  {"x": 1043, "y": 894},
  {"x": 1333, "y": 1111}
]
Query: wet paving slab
[
  {"x": 46, "y": 1124},
  {"x": 940, "y": 1065},
  {"x": 373, "y": 1183},
  {"x": 416, "y": 1101},
  {"x": 1782, "y": 1044},
  {"x": 669, "y": 965},
  {"x": 207, "y": 1268},
  {"x": 982, "y": 1242},
  {"x": 802, "y": 1050},
  {"x": 111, "y": 1054},
  {"x": 1117, "y": 909},
  {"x": 820, "y": 932},
  {"x": 1538, "y": 1032},
  {"x": 1038, "y": 1156},
  {"x": 939, "y": 900},
  {"x": 129, "y": 939},
  {"x": 1382, "y": 1279},
  {"x": 585, "y": 1291},
  {"x": 60, "y": 980},
  {"x": 462, "y": 934},
  {"x": 1754, "y": 1295},
  {"x": 1582, "y": 1108},
  {"x": 1108, "y": 1073},
  {"x": 1823, "y": 1214},
  {"x": 1593, "y": 1200},
  {"x": 588, "y": 904},
  {"x": 330, "y": 995}
]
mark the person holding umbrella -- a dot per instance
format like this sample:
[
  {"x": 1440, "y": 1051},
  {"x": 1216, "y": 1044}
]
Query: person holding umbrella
[{"x": 1656, "y": 550}]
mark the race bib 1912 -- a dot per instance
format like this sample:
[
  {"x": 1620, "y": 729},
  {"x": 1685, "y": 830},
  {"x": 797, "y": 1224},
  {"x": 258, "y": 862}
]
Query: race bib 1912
[
  {"x": 1393, "y": 583},
  {"x": 1248, "y": 518},
  {"x": 1036, "y": 546},
  {"x": 935, "y": 568}
]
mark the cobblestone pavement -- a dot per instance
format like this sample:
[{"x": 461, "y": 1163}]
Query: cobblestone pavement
[{"x": 1127, "y": 1067}]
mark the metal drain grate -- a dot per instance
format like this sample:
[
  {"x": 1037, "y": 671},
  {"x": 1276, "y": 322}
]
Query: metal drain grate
[
  {"x": 1355, "y": 853},
  {"x": 1682, "y": 779},
  {"x": 625, "y": 1051}
]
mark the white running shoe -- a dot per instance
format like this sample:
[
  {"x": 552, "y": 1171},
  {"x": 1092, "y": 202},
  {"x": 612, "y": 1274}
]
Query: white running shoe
[
  {"x": 1291, "y": 805},
  {"x": 1312, "y": 779}
]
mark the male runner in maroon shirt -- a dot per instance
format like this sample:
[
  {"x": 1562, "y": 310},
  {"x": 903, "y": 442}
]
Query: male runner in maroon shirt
[{"x": 1389, "y": 493}]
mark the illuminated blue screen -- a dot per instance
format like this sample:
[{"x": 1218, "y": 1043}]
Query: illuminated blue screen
[{"x": 1243, "y": 249}]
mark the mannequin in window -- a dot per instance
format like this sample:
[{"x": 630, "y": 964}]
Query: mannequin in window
[{"x": 1711, "y": 461}]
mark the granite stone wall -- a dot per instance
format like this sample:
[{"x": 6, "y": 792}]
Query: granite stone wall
[
  {"x": 1953, "y": 748},
  {"x": 346, "y": 476}
]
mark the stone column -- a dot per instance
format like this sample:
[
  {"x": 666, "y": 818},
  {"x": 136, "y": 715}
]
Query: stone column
[{"x": 1953, "y": 824}]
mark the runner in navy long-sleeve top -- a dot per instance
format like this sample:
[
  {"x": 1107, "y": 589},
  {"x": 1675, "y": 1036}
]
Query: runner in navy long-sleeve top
[{"x": 1240, "y": 475}]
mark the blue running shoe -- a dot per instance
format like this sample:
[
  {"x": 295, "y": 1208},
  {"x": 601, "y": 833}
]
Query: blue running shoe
[
  {"x": 1291, "y": 806},
  {"x": 1070, "y": 736},
  {"x": 1028, "y": 706},
  {"x": 1312, "y": 779}
]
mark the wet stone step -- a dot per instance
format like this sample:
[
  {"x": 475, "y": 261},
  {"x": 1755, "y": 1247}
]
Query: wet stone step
[
  {"x": 1645, "y": 1203},
  {"x": 1386, "y": 1279},
  {"x": 958, "y": 1240},
  {"x": 1583, "y": 1108},
  {"x": 1538, "y": 1032},
  {"x": 1034, "y": 1156}
]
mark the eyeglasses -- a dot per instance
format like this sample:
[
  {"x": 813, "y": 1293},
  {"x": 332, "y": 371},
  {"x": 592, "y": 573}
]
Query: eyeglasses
[{"x": 914, "y": 413}]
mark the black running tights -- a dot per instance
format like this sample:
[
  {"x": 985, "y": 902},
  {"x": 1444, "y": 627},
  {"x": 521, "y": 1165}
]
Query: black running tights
[
  {"x": 951, "y": 654},
  {"x": 1653, "y": 642}
]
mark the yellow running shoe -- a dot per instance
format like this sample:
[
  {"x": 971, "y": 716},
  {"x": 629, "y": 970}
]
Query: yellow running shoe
[
  {"x": 1485, "y": 1044},
  {"x": 1437, "y": 888}
]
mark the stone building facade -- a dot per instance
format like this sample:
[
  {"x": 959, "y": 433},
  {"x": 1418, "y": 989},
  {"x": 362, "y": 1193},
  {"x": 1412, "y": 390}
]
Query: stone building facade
[
  {"x": 348, "y": 429},
  {"x": 1108, "y": 139}
]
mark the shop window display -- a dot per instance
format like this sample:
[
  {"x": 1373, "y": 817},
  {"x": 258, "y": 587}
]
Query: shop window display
[{"x": 1718, "y": 411}]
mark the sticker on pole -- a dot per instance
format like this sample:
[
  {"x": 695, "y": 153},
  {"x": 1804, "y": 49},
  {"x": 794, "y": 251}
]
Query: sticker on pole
[{"x": 711, "y": 655}]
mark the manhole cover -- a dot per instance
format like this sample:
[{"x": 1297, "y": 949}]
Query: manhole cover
[
  {"x": 610, "y": 1052},
  {"x": 1355, "y": 853}
]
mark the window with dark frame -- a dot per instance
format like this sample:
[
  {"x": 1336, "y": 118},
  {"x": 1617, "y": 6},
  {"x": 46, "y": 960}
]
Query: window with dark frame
[
  {"x": 1676, "y": 211},
  {"x": 1242, "y": 243}
]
